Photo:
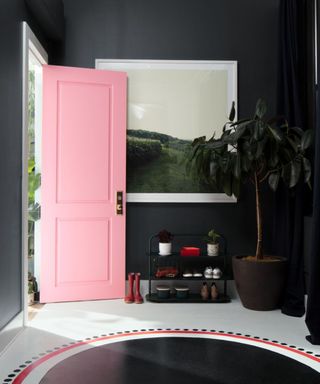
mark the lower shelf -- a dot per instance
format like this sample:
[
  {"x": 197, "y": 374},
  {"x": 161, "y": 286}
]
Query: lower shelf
[{"x": 193, "y": 298}]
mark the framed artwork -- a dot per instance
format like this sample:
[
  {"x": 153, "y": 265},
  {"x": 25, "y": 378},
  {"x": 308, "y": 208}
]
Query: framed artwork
[{"x": 169, "y": 104}]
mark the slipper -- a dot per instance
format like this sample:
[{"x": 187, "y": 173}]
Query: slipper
[
  {"x": 217, "y": 273},
  {"x": 187, "y": 273},
  {"x": 208, "y": 273}
]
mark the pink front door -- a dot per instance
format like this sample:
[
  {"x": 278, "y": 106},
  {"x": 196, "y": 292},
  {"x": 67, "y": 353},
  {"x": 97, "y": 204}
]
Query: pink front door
[{"x": 83, "y": 167}]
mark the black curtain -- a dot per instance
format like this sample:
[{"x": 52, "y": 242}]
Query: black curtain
[
  {"x": 313, "y": 307},
  {"x": 295, "y": 77}
]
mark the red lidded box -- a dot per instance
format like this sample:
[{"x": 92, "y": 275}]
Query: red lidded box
[{"x": 190, "y": 251}]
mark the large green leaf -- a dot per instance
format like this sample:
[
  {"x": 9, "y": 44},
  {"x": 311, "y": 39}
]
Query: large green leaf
[
  {"x": 306, "y": 169},
  {"x": 241, "y": 121},
  {"x": 232, "y": 114},
  {"x": 239, "y": 131},
  {"x": 295, "y": 173},
  {"x": 260, "y": 147},
  {"x": 226, "y": 133},
  {"x": 261, "y": 108},
  {"x": 259, "y": 129},
  {"x": 297, "y": 130},
  {"x": 306, "y": 139},
  {"x": 276, "y": 133},
  {"x": 237, "y": 166},
  {"x": 294, "y": 144},
  {"x": 286, "y": 154},
  {"x": 273, "y": 180},
  {"x": 245, "y": 162},
  {"x": 236, "y": 186},
  {"x": 247, "y": 150}
]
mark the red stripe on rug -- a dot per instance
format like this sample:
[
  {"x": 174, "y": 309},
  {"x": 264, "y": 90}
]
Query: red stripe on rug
[{"x": 19, "y": 379}]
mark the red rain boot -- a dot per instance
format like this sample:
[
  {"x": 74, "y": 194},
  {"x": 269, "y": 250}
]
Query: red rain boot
[
  {"x": 137, "y": 296},
  {"x": 130, "y": 297}
]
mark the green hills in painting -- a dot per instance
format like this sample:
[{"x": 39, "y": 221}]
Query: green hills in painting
[{"x": 156, "y": 163}]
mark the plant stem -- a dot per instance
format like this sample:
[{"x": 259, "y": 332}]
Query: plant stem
[{"x": 259, "y": 252}]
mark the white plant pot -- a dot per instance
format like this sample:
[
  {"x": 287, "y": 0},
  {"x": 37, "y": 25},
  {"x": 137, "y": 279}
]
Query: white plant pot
[
  {"x": 213, "y": 249},
  {"x": 165, "y": 249}
]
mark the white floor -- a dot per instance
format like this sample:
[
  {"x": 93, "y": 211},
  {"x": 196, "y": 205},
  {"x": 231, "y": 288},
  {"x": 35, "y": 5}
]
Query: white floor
[{"x": 62, "y": 323}]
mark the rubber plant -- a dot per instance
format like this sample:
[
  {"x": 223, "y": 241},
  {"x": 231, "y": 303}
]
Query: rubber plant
[{"x": 255, "y": 150}]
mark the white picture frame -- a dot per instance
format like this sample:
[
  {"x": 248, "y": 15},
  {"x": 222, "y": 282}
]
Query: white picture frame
[{"x": 199, "y": 75}]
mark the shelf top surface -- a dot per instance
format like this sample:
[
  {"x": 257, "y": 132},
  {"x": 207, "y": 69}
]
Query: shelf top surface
[
  {"x": 202, "y": 255},
  {"x": 224, "y": 277},
  {"x": 192, "y": 298}
]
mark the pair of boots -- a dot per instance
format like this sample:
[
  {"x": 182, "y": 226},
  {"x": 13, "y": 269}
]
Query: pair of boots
[
  {"x": 134, "y": 297},
  {"x": 205, "y": 291}
]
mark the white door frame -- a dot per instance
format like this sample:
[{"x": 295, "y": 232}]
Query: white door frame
[
  {"x": 30, "y": 43},
  {"x": 16, "y": 325}
]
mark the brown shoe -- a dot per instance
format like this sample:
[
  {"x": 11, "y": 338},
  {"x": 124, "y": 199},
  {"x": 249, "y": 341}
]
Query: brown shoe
[
  {"x": 214, "y": 291},
  {"x": 204, "y": 292}
]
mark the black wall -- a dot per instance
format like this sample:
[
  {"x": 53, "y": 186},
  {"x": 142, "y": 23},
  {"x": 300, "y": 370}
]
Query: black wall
[
  {"x": 243, "y": 30},
  {"x": 12, "y": 13}
]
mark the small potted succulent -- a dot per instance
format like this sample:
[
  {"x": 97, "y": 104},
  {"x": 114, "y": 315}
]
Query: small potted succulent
[
  {"x": 212, "y": 240},
  {"x": 165, "y": 245}
]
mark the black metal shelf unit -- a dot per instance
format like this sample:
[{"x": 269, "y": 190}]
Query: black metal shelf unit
[{"x": 188, "y": 262}]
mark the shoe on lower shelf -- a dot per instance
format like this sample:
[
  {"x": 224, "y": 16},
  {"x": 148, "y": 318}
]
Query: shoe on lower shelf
[
  {"x": 204, "y": 292},
  {"x": 196, "y": 273},
  {"x": 214, "y": 291},
  {"x": 216, "y": 273},
  {"x": 208, "y": 273},
  {"x": 187, "y": 273}
]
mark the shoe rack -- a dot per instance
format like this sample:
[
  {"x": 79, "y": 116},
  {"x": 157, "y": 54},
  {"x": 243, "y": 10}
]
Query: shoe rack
[{"x": 194, "y": 264}]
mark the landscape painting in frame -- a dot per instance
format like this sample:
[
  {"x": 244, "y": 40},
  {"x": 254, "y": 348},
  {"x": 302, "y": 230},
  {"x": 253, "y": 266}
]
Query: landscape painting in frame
[{"x": 170, "y": 103}]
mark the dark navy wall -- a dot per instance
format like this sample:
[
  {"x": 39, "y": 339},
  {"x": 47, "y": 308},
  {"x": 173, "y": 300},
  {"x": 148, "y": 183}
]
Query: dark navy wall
[
  {"x": 12, "y": 13},
  {"x": 243, "y": 30}
]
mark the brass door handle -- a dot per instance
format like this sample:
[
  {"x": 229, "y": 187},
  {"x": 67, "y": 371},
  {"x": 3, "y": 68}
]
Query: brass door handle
[{"x": 119, "y": 203}]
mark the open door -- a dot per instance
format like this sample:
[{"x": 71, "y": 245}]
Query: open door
[{"x": 83, "y": 176}]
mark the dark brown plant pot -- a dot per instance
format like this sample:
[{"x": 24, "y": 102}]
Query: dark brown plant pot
[{"x": 260, "y": 284}]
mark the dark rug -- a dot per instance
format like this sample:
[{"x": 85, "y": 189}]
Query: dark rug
[{"x": 179, "y": 360}]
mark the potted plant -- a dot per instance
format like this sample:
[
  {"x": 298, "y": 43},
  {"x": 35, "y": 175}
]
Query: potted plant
[
  {"x": 30, "y": 293},
  {"x": 212, "y": 240},
  {"x": 32, "y": 288},
  {"x": 255, "y": 150},
  {"x": 165, "y": 245}
]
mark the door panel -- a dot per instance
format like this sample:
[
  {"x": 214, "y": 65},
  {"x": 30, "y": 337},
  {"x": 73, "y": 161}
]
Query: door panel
[{"x": 84, "y": 152}]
